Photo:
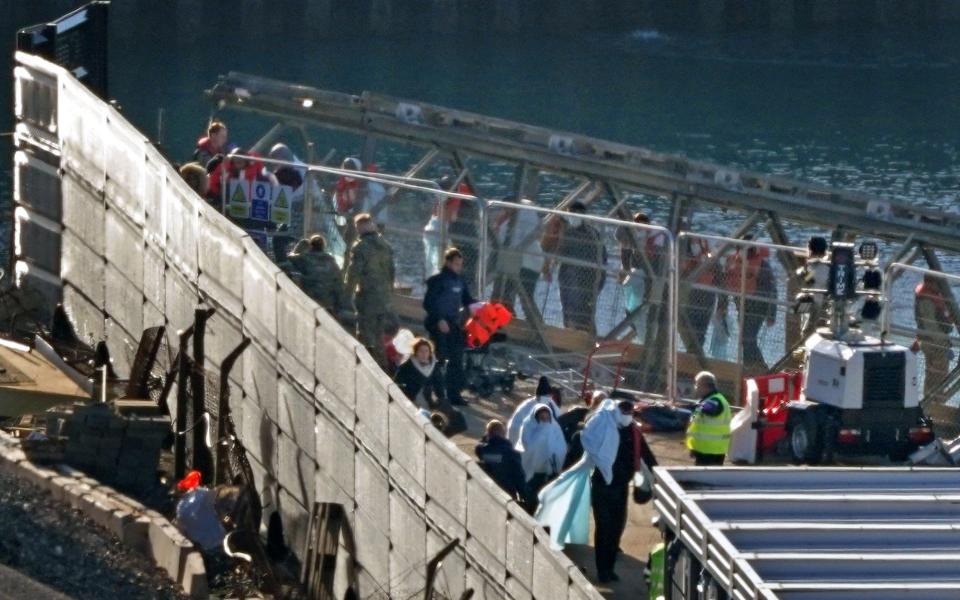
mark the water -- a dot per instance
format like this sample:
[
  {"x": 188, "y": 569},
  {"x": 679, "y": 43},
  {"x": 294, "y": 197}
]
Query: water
[{"x": 869, "y": 110}]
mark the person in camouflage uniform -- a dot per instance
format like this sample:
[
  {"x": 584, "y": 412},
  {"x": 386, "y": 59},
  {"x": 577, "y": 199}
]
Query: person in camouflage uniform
[
  {"x": 369, "y": 283},
  {"x": 320, "y": 276}
]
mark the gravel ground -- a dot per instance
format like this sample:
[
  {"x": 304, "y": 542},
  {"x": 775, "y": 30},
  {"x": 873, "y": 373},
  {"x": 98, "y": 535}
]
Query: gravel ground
[{"x": 46, "y": 540}]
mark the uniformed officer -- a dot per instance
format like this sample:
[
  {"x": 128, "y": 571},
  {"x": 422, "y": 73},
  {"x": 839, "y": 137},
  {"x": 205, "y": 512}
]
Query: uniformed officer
[
  {"x": 369, "y": 284},
  {"x": 501, "y": 462},
  {"x": 708, "y": 435},
  {"x": 320, "y": 275},
  {"x": 447, "y": 293}
]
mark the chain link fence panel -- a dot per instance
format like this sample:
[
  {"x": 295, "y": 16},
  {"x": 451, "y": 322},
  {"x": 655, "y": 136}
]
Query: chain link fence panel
[{"x": 921, "y": 313}]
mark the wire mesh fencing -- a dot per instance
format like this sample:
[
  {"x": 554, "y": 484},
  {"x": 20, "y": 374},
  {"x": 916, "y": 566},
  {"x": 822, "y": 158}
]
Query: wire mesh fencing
[
  {"x": 574, "y": 281},
  {"x": 735, "y": 315},
  {"x": 922, "y": 314}
]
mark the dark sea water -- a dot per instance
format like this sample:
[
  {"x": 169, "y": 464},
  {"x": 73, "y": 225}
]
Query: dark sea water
[{"x": 872, "y": 110}]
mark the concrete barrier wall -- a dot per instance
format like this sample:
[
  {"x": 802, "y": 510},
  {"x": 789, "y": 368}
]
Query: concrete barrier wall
[{"x": 122, "y": 241}]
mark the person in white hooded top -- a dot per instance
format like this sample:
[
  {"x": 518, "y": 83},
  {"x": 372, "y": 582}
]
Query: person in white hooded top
[
  {"x": 543, "y": 395},
  {"x": 542, "y": 450}
]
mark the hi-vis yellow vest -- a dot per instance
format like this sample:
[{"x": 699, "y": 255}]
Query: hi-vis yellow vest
[{"x": 710, "y": 435}]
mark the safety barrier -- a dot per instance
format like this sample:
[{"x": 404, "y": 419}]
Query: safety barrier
[
  {"x": 578, "y": 280},
  {"x": 922, "y": 314},
  {"x": 735, "y": 312},
  {"x": 107, "y": 227}
]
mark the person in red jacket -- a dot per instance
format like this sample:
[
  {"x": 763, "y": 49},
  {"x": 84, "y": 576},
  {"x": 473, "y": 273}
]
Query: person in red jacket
[{"x": 213, "y": 144}]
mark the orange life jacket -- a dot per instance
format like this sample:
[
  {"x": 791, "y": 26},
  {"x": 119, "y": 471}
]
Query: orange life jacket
[
  {"x": 935, "y": 296},
  {"x": 734, "y": 268},
  {"x": 485, "y": 322}
]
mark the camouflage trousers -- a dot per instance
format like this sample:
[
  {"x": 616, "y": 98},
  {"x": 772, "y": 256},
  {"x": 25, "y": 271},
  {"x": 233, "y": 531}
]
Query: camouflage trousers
[{"x": 371, "y": 323}]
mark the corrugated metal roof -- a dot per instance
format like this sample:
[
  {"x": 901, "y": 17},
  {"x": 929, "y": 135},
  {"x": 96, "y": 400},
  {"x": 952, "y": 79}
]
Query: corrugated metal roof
[{"x": 819, "y": 533}]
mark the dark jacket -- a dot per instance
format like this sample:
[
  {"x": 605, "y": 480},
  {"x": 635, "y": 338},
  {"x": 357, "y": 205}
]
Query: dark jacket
[
  {"x": 289, "y": 176},
  {"x": 502, "y": 463},
  {"x": 411, "y": 381},
  {"x": 446, "y": 294}
]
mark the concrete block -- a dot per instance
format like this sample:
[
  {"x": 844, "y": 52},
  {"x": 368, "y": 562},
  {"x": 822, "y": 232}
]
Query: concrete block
[
  {"x": 154, "y": 280},
  {"x": 516, "y": 590},
  {"x": 294, "y": 371},
  {"x": 486, "y": 511},
  {"x": 37, "y": 239},
  {"x": 373, "y": 551},
  {"x": 259, "y": 437},
  {"x": 451, "y": 577},
  {"x": 483, "y": 588},
  {"x": 260, "y": 379},
  {"x": 447, "y": 475},
  {"x": 122, "y": 344},
  {"x": 372, "y": 493},
  {"x": 136, "y": 533},
  {"x": 181, "y": 300},
  {"x": 152, "y": 315},
  {"x": 193, "y": 578},
  {"x": 124, "y": 246},
  {"x": 408, "y": 554},
  {"x": 154, "y": 220},
  {"x": 36, "y": 185},
  {"x": 124, "y": 301},
  {"x": 221, "y": 260},
  {"x": 168, "y": 548},
  {"x": 520, "y": 542},
  {"x": 38, "y": 476},
  {"x": 486, "y": 561},
  {"x": 83, "y": 212},
  {"x": 296, "y": 322},
  {"x": 82, "y": 267},
  {"x": 330, "y": 404},
  {"x": 80, "y": 117},
  {"x": 38, "y": 288},
  {"x": 372, "y": 406},
  {"x": 296, "y": 518},
  {"x": 222, "y": 336},
  {"x": 581, "y": 588},
  {"x": 86, "y": 317},
  {"x": 336, "y": 455},
  {"x": 297, "y": 416},
  {"x": 409, "y": 486},
  {"x": 336, "y": 359},
  {"x": 551, "y": 570},
  {"x": 124, "y": 182},
  {"x": 297, "y": 471},
  {"x": 327, "y": 490},
  {"x": 267, "y": 487},
  {"x": 259, "y": 295},
  {"x": 183, "y": 226}
]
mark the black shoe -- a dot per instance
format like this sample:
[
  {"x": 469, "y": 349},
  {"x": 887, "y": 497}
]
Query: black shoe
[
  {"x": 458, "y": 401},
  {"x": 607, "y": 577}
]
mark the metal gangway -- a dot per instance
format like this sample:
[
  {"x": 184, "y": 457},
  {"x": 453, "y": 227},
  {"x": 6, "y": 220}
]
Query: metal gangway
[{"x": 612, "y": 180}]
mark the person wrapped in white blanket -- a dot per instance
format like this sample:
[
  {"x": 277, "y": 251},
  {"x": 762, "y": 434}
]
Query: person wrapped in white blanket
[
  {"x": 614, "y": 453},
  {"x": 542, "y": 450},
  {"x": 543, "y": 395}
]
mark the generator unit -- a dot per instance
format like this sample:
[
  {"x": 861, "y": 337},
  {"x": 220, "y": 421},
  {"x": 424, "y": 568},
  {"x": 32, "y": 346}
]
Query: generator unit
[{"x": 860, "y": 393}]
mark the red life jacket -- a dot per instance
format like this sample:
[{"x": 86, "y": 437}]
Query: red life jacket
[
  {"x": 452, "y": 205},
  {"x": 226, "y": 169},
  {"x": 485, "y": 322},
  {"x": 734, "y": 268}
]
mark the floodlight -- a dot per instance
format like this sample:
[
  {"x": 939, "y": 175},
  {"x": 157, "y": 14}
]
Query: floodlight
[
  {"x": 803, "y": 303},
  {"x": 872, "y": 279},
  {"x": 868, "y": 250},
  {"x": 871, "y": 309}
]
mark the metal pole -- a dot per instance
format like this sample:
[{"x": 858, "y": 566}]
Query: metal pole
[
  {"x": 484, "y": 249},
  {"x": 673, "y": 244}
]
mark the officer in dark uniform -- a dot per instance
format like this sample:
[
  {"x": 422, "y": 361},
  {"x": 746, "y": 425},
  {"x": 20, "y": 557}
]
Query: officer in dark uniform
[
  {"x": 500, "y": 461},
  {"x": 370, "y": 283},
  {"x": 447, "y": 293}
]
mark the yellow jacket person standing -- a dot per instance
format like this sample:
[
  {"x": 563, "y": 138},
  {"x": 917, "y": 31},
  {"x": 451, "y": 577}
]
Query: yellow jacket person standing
[
  {"x": 708, "y": 435},
  {"x": 369, "y": 283}
]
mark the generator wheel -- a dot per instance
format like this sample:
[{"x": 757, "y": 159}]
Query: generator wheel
[{"x": 806, "y": 439}]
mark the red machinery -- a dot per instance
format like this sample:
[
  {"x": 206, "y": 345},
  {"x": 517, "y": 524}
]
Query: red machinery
[{"x": 776, "y": 392}]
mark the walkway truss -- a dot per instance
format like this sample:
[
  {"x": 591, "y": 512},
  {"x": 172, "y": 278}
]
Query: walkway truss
[{"x": 612, "y": 179}]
